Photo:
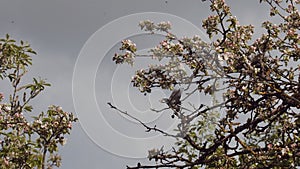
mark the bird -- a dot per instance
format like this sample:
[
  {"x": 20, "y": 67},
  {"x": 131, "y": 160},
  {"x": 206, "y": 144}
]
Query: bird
[{"x": 174, "y": 100}]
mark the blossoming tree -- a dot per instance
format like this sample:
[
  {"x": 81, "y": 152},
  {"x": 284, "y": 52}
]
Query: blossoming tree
[
  {"x": 256, "y": 123},
  {"x": 27, "y": 140}
]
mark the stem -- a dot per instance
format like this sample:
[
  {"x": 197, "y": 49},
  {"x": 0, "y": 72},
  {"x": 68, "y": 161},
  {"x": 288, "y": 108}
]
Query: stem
[{"x": 44, "y": 157}]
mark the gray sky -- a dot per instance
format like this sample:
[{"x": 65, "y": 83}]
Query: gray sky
[{"x": 58, "y": 30}]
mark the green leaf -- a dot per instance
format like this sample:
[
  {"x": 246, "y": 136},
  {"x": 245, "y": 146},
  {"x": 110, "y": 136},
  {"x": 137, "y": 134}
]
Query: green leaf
[{"x": 28, "y": 108}]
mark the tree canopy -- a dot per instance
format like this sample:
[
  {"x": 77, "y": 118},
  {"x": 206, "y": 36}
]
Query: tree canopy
[
  {"x": 256, "y": 122},
  {"x": 27, "y": 139}
]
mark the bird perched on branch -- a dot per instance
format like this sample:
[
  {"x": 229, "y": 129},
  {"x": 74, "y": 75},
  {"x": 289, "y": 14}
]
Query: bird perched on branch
[{"x": 174, "y": 100}]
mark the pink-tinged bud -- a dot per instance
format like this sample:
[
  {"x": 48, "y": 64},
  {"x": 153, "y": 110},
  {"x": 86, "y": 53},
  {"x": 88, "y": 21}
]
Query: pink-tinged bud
[
  {"x": 59, "y": 108},
  {"x": 270, "y": 146},
  {"x": 291, "y": 32},
  {"x": 69, "y": 125},
  {"x": 17, "y": 115},
  {"x": 253, "y": 48},
  {"x": 6, "y": 162}
]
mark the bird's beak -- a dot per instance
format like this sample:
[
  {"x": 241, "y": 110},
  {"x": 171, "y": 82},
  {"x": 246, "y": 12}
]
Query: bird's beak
[{"x": 163, "y": 100}]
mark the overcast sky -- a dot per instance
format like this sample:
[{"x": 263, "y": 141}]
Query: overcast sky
[{"x": 59, "y": 29}]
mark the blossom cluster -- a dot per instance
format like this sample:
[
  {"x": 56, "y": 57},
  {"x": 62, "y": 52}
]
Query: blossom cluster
[
  {"x": 128, "y": 57},
  {"x": 150, "y": 26}
]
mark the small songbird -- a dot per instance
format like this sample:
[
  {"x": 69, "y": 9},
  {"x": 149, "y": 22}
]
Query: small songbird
[{"x": 174, "y": 100}]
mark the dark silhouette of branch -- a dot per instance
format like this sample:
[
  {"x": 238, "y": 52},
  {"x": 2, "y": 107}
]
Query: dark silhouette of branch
[{"x": 148, "y": 128}]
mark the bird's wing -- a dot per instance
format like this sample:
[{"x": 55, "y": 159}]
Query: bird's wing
[{"x": 175, "y": 95}]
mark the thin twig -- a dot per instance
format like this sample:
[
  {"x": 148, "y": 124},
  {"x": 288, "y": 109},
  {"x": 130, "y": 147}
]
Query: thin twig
[{"x": 142, "y": 123}]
